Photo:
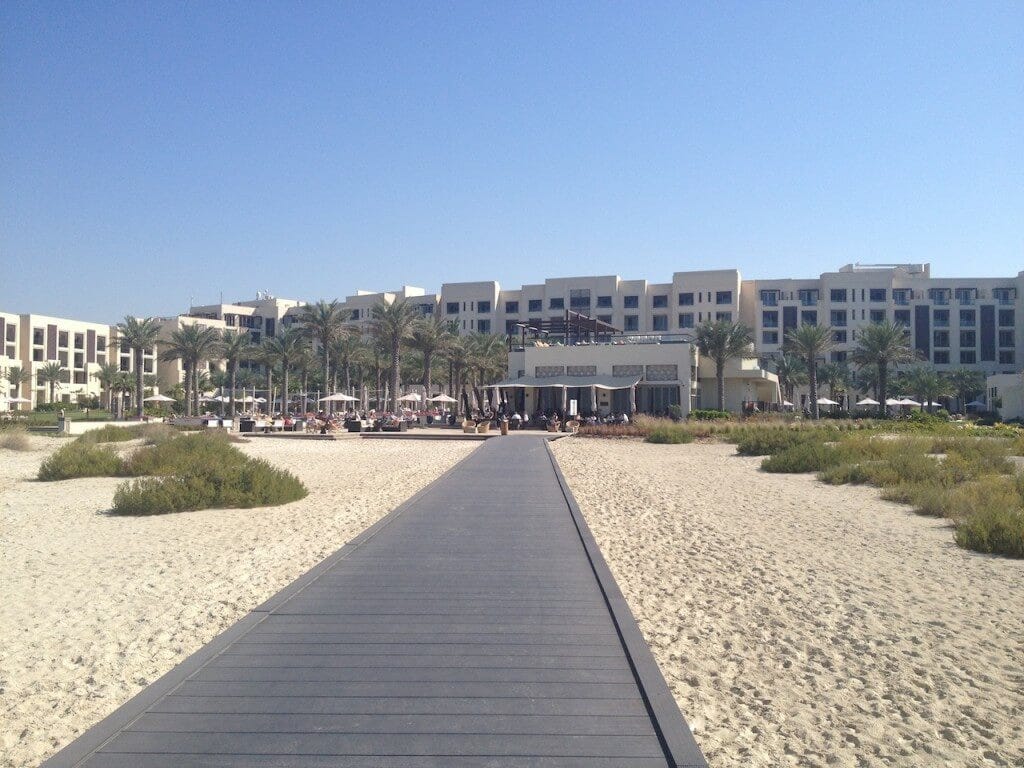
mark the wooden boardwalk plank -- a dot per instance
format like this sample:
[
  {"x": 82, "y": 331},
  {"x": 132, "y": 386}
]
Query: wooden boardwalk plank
[{"x": 476, "y": 625}]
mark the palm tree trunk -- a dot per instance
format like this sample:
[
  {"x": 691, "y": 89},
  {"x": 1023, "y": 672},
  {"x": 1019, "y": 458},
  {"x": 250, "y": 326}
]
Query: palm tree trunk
[
  {"x": 188, "y": 390},
  {"x": 270, "y": 389},
  {"x": 231, "y": 397},
  {"x": 427, "y": 359},
  {"x": 812, "y": 380},
  {"x": 720, "y": 377},
  {"x": 138, "y": 383},
  {"x": 327, "y": 376},
  {"x": 882, "y": 389},
  {"x": 395, "y": 361},
  {"x": 284, "y": 388}
]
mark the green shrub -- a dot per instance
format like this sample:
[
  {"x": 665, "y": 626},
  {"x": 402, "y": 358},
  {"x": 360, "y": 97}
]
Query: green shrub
[
  {"x": 186, "y": 453},
  {"x": 109, "y": 433},
  {"x": 81, "y": 459},
  {"x": 990, "y": 516},
  {"x": 709, "y": 414},
  {"x": 251, "y": 483},
  {"x": 761, "y": 442},
  {"x": 841, "y": 474},
  {"x": 802, "y": 457},
  {"x": 670, "y": 433}
]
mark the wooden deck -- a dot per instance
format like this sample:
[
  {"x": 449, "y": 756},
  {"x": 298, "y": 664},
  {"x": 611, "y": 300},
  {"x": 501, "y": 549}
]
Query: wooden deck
[{"x": 476, "y": 625}]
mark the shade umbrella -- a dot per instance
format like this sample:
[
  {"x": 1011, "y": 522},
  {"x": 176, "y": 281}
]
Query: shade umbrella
[
  {"x": 787, "y": 403},
  {"x": 976, "y": 404},
  {"x": 826, "y": 401},
  {"x": 340, "y": 397},
  {"x": 867, "y": 401},
  {"x": 158, "y": 399},
  {"x": 893, "y": 401},
  {"x": 932, "y": 404},
  {"x": 908, "y": 401},
  {"x": 442, "y": 399},
  {"x": 412, "y": 397}
]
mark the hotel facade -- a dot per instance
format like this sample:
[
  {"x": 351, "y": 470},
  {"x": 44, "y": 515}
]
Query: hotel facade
[{"x": 974, "y": 323}]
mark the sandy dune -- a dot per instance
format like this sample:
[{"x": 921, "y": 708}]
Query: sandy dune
[
  {"x": 807, "y": 625},
  {"x": 95, "y": 607}
]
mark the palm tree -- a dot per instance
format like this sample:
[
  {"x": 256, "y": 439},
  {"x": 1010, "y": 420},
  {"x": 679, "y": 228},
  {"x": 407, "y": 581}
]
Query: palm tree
[
  {"x": 430, "y": 337},
  {"x": 927, "y": 384},
  {"x": 139, "y": 336},
  {"x": 965, "y": 383},
  {"x": 122, "y": 383},
  {"x": 17, "y": 377},
  {"x": 234, "y": 347},
  {"x": 722, "y": 340},
  {"x": 284, "y": 349},
  {"x": 392, "y": 324},
  {"x": 105, "y": 376},
  {"x": 193, "y": 344},
  {"x": 811, "y": 342},
  {"x": 458, "y": 354},
  {"x": 836, "y": 376},
  {"x": 792, "y": 373},
  {"x": 882, "y": 345},
  {"x": 51, "y": 374},
  {"x": 323, "y": 322}
]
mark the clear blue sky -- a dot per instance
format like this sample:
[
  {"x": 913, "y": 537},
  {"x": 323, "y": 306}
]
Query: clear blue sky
[{"x": 153, "y": 153}]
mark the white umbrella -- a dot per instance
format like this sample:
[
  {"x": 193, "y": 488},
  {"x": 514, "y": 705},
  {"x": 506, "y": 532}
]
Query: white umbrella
[
  {"x": 786, "y": 402},
  {"x": 826, "y": 401},
  {"x": 933, "y": 404},
  {"x": 338, "y": 398},
  {"x": 158, "y": 399},
  {"x": 442, "y": 399},
  {"x": 908, "y": 401},
  {"x": 412, "y": 397},
  {"x": 893, "y": 401},
  {"x": 867, "y": 401},
  {"x": 972, "y": 404}
]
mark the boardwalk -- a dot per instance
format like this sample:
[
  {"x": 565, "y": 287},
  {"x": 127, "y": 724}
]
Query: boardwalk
[{"x": 475, "y": 626}]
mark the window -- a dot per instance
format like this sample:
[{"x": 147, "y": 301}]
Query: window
[
  {"x": 10, "y": 351},
  {"x": 940, "y": 338},
  {"x": 838, "y": 356},
  {"x": 808, "y": 297},
  {"x": 535, "y": 322},
  {"x": 125, "y": 364},
  {"x": 1006, "y": 317},
  {"x": 604, "y": 302},
  {"x": 62, "y": 339},
  {"x": 1006, "y": 338},
  {"x": 483, "y": 307},
  {"x": 939, "y": 296},
  {"x": 809, "y": 317},
  {"x": 255, "y": 337},
  {"x": 901, "y": 296},
  {"x": 968, "y": 339},
  {"x": 79, "y": 341},
  {"x": 79, "y": 360},
  {"x": 630, "y": 323},
  {"x": 968, "y": 357},
  {"x": 941, "y": 318},
  {"x": 686, "y": 320},
  {"x": 770, "y": 318},
  {"x": 876, "y": 294},
  {"x": 769, "y": 337},
  {"x": 768, "y": 298},
  {"x": 1004, "y": 295},
  {"x": 660, "y": 301},
  {"x": 965, "y": 295},
  {"x": 838, "y": 318},
  {"x": 686, "y": 299},
  {"x": 536, "y": 305},
  {"x": 11, "y": 330},
  {"x": 484, "y": 326},
  {"x": 839, "y": 337},
  {"x": 147, "y": 366},
  {"x": 726, "y": 316},
  {"x": 631, "y": 302},
  {"x": 659, "y": 322},
  {"x": 558, "y": 303},
  {"x": 452, "y": 308},
  {"x": 967, "y": 318},
  {"x": 605, "y": 319},
  {"x": 723, "y": 297},
  {"x": 902, "y": 316},
  {"x": 37, "y": 355},
  {"x": 425, "y": 309},
  {"x": 1006, "y": 357},
  {"x": 511, "y": 307},
  {"x": 837, "y": 295},
  {"x": 510, "y": 328},
  {"x": 63, "y": 358},
  {"x": 877, "y": 316},
  {"x": 229, "y": 321},
  {"x": 79, "y": 377},
  {"x": 941, "y": 357},
  {"x": 579, "y": 298},
  {"x": 37, "y": 337}
]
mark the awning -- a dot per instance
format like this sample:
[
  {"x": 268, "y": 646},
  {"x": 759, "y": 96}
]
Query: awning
[{"x": 601, "y": 382}]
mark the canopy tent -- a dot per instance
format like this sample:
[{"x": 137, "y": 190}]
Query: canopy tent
[
  {"x": 564, "y": 382},
  {"x": 867, "y": 401},
  {"x": 340, "y": 397}
]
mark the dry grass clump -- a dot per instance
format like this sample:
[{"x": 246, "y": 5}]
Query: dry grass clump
[{"x": 15, "y": 439}]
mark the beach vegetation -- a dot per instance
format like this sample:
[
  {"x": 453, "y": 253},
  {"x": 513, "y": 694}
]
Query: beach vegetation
[
  {"x": 880, "y": 347},
  {"x": 80, "y": 459},
  {"x": 15, "y": 439},
  {"x": 709, "y": 414},
  {"x": 669, "y": 432}
]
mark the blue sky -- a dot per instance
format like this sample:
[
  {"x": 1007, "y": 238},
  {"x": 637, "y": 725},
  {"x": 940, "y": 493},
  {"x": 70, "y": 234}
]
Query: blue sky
[{"x": 155, "y": 153}]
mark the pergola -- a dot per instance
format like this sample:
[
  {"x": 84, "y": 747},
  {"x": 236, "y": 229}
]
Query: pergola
[{"x": 572, "y": 325}]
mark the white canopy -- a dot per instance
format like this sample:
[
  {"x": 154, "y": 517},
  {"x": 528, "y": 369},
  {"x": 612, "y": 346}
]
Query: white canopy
[
  {"x": 972, "y": 404},
  {"x": 826, "y": 401},
  {"x": 340, "y": 397},
  {"x": 867, "y": 401},
  {"x": 786, "y": 402},
  {"x": 893, "y": 401},
  {"x": 442, "y": 398},
  {"x": 908, "y": 401},
  {"x": 412, "y": 397},
  {"x": 158, "y": 399}
]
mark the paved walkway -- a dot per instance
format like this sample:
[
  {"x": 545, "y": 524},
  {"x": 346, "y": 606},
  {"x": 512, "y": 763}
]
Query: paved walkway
[{"x": 477, "y": 625}]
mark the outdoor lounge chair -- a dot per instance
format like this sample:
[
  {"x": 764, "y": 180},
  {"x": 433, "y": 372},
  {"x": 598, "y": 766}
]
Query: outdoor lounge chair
[{"x": 468, "y": 426}]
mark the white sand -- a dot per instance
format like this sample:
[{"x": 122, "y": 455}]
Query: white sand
[
  {"x": 800, "y": 624},
  {"x": 95, "y": 607}
]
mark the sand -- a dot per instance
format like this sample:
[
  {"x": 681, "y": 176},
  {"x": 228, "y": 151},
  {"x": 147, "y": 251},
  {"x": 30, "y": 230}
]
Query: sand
[
  {"x": 800, "y": 624},
  {"x": 95, "y": 607}
]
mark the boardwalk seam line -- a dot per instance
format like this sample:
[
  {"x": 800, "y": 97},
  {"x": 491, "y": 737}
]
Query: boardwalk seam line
[{"x": 672, "y": 730}]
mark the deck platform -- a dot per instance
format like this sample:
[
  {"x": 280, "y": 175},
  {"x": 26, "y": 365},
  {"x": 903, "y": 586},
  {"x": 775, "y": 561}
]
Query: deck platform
[{"x": 475, "y": 625}]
